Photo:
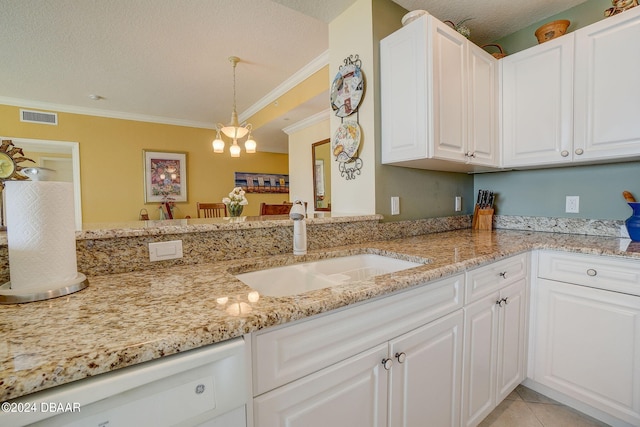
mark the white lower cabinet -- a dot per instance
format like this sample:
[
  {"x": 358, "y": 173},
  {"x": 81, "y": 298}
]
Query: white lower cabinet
[
  {"x": 425, "y": 378},
  {"x": 394, "y": 362},
  {"x": 413, "y": 380},
  {"x": 495, "y": 336},
  {"x": 586, "y": 343},
  {"x": 494, "y": 350},
  {"x": 350, "y": 394}
]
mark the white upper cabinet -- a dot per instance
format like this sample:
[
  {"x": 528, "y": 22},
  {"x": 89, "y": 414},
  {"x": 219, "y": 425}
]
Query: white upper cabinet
[
  {"x": 607, "y": 88},
  {"x": 573, "y": 99},
  {"x": 405, "y": 79},
  {"x": 537, "y": 104},
  {"x": 438, "y": 96}
]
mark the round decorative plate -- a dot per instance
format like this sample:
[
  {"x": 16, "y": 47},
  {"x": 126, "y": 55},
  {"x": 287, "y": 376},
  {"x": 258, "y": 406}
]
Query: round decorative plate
[
  {"x": 346, "y": 141},
  {"x": 346, "y": 90}
]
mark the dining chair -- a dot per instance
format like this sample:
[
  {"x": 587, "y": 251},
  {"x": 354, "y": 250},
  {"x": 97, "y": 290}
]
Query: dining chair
[
  {"x": 277, "y": 209},
  {"x": 212, "y": 210}
]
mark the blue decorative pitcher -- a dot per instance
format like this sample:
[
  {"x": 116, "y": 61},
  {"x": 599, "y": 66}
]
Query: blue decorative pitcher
[{"x": 633, "y": 222}]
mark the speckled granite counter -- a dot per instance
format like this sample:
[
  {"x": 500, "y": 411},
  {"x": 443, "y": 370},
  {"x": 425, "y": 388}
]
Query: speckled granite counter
[{"x": 128, "y": 318}]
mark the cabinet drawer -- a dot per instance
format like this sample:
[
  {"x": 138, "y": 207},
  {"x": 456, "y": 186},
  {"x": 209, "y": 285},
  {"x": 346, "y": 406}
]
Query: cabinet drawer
[
  {"x": 291, "y": 351},
  {"x": 602, "y": 272},
  {"x": 485, "y": 280}
]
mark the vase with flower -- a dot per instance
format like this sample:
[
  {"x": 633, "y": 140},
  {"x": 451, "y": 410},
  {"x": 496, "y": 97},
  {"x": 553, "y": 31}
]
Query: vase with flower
[{"x": 235, "y": 202}]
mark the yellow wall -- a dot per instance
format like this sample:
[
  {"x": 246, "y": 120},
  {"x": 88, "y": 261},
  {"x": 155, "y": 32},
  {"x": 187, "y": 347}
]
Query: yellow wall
[{"x": 111, "y": 166}]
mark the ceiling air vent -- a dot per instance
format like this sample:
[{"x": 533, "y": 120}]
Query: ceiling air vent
[{"x": 30, "y": 116}]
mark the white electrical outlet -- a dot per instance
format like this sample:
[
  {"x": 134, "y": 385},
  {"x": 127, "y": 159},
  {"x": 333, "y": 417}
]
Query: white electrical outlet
[
  {"x": 160, "y": 251},
  {"x": 572, "y": 204},
  {"x": 458, "y": 204},
  {"x": 395, "y": 205}
]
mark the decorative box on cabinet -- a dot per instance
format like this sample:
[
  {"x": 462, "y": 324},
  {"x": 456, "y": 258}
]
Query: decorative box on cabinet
[
  {"x": 439, "y": 99},
  {"x": 586, "y": 333}
]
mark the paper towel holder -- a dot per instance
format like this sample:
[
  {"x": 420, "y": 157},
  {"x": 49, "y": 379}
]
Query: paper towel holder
[{"x": 12, "y": 296}]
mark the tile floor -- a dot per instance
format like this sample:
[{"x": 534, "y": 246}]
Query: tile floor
[{"x": 527, "y": 408}]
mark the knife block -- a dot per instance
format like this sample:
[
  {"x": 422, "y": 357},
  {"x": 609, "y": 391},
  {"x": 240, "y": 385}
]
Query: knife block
[{"x": 482, "y": 219}]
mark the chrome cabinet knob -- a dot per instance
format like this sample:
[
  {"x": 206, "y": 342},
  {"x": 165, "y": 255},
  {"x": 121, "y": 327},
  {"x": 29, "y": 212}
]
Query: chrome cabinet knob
[
  {"x": 591, "y": 272},
  {"x": 500, "y": 302},
  {"x": 401, "y": 357},
  {"x": 564, "y": 153},
  {"x": 503, "y": 274},
  {"x": 387, "y": 363},
  {"x": 579, "y": 151}
]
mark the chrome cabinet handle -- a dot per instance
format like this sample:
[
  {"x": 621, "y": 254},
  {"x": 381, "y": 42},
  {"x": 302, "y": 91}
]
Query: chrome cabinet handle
[
  {"x": 564, "y": 153},
  {"x": 502, "y": 302},
  {"x": 401, "y": 357},
  {"x": 579, "y": 151},
  {"x": 503, "y": 274},
  {"x": 387, "y": 363},
  {"x": 591, "y": 272}
]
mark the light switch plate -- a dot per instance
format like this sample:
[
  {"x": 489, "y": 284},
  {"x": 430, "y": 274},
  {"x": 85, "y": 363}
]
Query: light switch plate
[
  {"x": 395, "y": 205},
  {"x": 160, "y": 251},
  {"x": 458, "y": 204}
]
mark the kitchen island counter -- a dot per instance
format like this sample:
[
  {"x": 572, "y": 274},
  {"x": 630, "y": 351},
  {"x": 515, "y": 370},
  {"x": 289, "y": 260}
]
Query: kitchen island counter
[{"x": 128, "y": 318}]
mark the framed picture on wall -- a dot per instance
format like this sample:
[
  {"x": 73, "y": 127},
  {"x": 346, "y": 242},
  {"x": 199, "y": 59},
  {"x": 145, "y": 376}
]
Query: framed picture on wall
[{"x": 165, "y": 176}]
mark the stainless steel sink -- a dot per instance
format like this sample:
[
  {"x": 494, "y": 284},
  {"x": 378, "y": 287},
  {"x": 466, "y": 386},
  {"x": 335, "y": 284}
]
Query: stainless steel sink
[{"x": 298, "y": 278}]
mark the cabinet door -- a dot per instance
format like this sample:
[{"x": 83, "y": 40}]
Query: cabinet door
[
  {"x": 587, "y": 346},
  {"x": 404, "y": 94},
  {"x": 352, "y": 393},
  {"x": 537, "y": 109},
  {"x": 449, "y": 92},
  {"x": 480, "y": 353},
  {"x": 607, "y": 92},
  {"x": 511, "y": 339},
  {"x": 482, "y": 114},
  {"x": 425, "y": 387}
]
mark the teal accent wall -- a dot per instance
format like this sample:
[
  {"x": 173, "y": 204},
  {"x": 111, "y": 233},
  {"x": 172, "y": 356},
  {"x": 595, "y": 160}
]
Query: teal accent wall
[{"x": 542, "y": 192}]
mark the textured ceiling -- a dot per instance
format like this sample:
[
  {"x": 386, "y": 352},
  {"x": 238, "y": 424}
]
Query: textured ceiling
[{"x": 168, "y": 58}]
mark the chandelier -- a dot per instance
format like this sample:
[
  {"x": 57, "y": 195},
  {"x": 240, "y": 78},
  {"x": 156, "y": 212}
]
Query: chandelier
[{"x": 234, "y": 130}]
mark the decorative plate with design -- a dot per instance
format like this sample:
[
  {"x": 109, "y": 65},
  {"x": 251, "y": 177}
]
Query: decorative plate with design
[
  {"x": 346, "y": 141},
  {"x": 346, "y": 90}
]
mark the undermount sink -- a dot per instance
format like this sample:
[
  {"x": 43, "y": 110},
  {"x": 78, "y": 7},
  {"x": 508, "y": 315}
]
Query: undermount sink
[{"x": 298, "y": 278}]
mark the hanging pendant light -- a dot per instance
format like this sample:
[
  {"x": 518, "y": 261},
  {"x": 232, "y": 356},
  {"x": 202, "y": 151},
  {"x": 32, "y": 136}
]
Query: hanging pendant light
[{"x": 234, "y": 130}]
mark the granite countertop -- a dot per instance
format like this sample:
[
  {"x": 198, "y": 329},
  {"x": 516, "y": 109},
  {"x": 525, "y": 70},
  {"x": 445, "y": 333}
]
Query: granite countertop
[
  {"x": 110, "y": 230},
  {"x": 124, "y": 319}
]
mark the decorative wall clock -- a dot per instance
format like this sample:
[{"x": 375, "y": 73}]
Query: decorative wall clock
[{"x": 10, "y": 157}]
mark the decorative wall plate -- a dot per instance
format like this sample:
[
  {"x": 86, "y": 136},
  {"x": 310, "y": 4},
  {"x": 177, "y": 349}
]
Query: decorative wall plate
[
  {"x": 346, "y": 90},
  {"x": 346, "y": 141}
]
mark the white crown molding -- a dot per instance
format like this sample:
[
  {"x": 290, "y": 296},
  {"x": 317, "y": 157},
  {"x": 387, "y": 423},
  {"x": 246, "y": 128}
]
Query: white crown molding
[
  {"x": 297, "y": 78},
  {"x": 309, "y": 121},
  {"x": 103, "y": 113}
]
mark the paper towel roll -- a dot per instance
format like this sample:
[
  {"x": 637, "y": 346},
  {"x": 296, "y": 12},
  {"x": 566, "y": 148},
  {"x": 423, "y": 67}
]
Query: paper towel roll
[{"x": 40, "y": 233}]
